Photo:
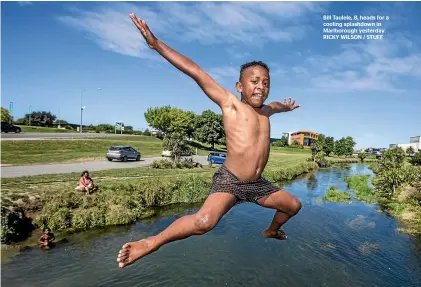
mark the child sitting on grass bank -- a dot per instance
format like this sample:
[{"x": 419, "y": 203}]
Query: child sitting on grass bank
[{"x": 86, "y": 184}]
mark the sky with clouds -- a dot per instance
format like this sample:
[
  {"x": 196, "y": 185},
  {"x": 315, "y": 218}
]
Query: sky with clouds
[{"x": 368, "y": 89}]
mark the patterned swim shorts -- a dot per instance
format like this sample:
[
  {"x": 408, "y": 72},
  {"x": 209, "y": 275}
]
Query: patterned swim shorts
[{"x": 244, "y": 191}]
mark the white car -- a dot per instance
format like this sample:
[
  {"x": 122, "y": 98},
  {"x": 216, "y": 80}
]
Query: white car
[{"x": 166, "y": 153}]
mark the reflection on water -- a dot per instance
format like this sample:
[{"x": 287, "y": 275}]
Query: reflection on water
[{"x": 328, "y": 245}]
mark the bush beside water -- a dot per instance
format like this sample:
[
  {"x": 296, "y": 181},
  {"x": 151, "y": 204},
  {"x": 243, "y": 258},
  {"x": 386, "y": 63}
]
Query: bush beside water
[
  {"x": 359, "y": 184},
  {"x": 398, "y": 187},
  {"x": 335, "y": 195}
]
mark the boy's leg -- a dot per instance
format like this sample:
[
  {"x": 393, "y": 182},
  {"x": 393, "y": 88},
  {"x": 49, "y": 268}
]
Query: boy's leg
[
  {"x": 215, "y": 206},
  {"x": 286, "y": 205}
]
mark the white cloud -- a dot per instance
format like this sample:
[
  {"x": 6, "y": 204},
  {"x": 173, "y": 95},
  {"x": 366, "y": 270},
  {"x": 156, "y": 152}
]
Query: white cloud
[
  {"x": 367, "y": 66},
  {"x": 24, "y": 3},
  {"x": 359, "y": 66},
  {"x": 246, "y": 23},
  {"x": 222, "y": 73}
]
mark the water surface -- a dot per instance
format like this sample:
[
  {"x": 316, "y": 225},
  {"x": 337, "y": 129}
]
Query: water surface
[{"x": 328, "y": 245}]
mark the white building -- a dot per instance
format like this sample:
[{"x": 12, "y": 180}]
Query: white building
[{"x": 415, "y": 142}]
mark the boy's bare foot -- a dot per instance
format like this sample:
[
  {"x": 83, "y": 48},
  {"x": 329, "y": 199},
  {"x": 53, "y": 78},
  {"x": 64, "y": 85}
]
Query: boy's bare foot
[
  {"x": 278, "y": 234},
  {"x": 132, "y": 251}
]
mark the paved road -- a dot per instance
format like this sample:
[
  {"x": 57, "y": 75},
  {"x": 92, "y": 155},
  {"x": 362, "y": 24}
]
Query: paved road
[
  {"x": 16, "y": 171},
  {"x": 42, "y": 136}
]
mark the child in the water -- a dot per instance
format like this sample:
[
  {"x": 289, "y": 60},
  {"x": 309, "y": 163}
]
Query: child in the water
[
  {"x": 46, "y": 239},
  {"x": 247, "y": 130}
]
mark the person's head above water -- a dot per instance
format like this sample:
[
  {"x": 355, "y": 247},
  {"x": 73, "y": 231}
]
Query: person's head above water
[{"x": 254, "y": 83}]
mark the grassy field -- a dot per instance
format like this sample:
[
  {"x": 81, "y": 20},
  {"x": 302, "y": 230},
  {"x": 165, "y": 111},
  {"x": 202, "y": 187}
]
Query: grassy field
[
  {"x": 33, "y": 129},
  {"x": 72, "y": 150},
  {"x": 76, "y": 150}
]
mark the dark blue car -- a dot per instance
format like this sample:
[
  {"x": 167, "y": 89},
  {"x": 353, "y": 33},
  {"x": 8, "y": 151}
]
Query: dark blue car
[{"x": 216, "y": 157}]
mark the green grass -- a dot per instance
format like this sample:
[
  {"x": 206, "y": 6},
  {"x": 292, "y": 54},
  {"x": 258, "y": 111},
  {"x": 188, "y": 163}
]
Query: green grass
[
  {"x": 335, "y": 195},
  {"x": 359, "y": 184},
  {"x": 72, "y": 150},
  {"x": 33, "y": 129}
]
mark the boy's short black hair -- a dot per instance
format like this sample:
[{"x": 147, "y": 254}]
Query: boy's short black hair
[{"x": 252, "y": 64}]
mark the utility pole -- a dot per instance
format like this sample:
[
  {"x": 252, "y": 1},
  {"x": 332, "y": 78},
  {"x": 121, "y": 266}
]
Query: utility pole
[
  {"x": 83, "y": 107},
  {"x": 11, "y": 112},
  {"x": 29, "y": 115}
]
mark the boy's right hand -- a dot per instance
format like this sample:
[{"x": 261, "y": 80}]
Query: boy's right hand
[{"x": 144, "y": 29}]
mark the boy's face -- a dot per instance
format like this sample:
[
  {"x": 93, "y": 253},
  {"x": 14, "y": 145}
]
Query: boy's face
[{"x": 254, "y": 86}]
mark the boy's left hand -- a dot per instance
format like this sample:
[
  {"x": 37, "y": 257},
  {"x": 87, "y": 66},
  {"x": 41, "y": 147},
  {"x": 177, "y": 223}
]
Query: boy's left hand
[
  {"x": 289, "y": 105},
  {"x": 278, "y": 107}
]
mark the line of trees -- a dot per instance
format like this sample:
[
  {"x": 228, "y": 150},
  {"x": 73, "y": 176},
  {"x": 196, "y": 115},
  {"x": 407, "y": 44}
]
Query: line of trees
[
  {"x": 177, "y": 125},
  {"x": 342, "y": 147}
]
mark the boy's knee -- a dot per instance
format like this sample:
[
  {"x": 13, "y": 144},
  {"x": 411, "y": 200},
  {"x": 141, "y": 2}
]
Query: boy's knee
[
  {"x": 203, "y": 222},
  {"x": 295, "y": 207}
]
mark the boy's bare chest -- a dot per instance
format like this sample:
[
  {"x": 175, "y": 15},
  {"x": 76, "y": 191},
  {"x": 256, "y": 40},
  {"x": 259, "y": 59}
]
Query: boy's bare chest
[{"x": 247, "y": 121}]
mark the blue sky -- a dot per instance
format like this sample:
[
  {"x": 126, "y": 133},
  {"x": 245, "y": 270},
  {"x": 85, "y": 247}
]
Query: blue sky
[{"x": 370, "y": 90}]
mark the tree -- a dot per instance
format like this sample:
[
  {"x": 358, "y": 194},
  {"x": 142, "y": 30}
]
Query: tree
[
  {"x": 42, "y": 119},
  {"x": 393, "y": 158},
  {"x": 339, "y": 148},
  {"x": 344, "y": 146},
  {"x": 105, "y": 128},
  {"x": 284, "y": 141},
  {"x": 416, "y": 160},
  {"x": 209, "y": 128},
  {"x": 410, "y": 151},
  {"x": 5, "y": 115},
  {"x": 176, "y": 143},
  {"x": 21, "y": 121},
  {"x": 362, "y": 155},
  {"x": 328, "y": 145},
  {"x": 168, "y": 120},
  {"x": 315, "y": 149},
  {"x": 147, "y": 132}
]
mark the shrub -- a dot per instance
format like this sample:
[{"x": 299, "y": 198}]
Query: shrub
[
  {"x": 389, "y": 180},
  {"x": 321, "y": 160},
  {"x": 416, "y": 160},
  {"x": 359, "y": 184},
  {"x": 335, "y": 195},
  {"x": 362, "y": 155},
  {"x": 166, "y": 164}
]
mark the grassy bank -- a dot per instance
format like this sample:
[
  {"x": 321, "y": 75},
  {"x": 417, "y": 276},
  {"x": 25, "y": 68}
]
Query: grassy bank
[
  {"x": 73, "y": 150},
  {"x": 124, "y": 196},
  {"x": 402, "y": 205},
  {"x": 340, "y": 160},
  {"x": 396, "y": 188},
  {"x": 33, "y": 129}
]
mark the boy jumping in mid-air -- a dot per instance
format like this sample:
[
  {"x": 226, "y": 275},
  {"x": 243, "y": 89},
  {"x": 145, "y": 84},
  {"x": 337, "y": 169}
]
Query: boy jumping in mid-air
[{"x": 239, "y": 179}]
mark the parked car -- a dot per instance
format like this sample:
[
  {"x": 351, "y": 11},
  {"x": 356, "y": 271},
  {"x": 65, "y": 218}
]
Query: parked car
[
  {"x": 216, "y": 157},
  {"x": 166, "y": 153},
  {"x": 6, "y": 127},
  {"x": 122, "y": 153}
]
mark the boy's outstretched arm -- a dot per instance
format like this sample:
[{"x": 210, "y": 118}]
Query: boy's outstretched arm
[
  {"x": 277, "y": 107},
  {"x": 211, "y": 88}
]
